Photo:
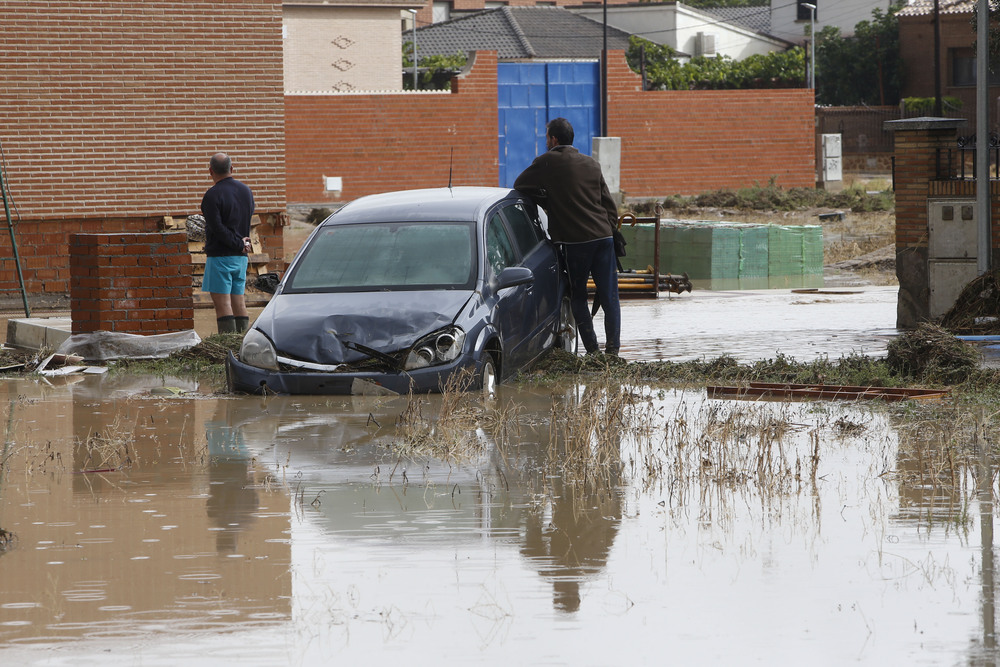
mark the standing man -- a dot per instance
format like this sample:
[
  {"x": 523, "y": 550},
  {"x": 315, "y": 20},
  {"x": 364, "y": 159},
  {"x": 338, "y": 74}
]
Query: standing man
[
  {"x": 227, "y": 207},
  {"x": 571, "y": 189}
]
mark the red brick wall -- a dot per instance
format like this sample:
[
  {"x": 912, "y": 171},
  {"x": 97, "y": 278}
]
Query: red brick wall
[
  {"x": 379, "y": 142},
  {"x": 131, "y": 283},
  {"x": 676, "y": 142},
  {"x": 109, "y": 113},
  {"x": 691, "y": 141}
]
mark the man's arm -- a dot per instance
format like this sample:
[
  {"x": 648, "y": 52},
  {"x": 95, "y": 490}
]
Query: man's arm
[{"x": 531, "y": 184}]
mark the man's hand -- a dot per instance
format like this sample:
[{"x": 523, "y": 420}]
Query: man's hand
[{"x": 246, "y": 245}]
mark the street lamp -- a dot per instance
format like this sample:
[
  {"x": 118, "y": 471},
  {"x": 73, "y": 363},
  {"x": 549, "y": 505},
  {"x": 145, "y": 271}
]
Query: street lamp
[
  {"x": 812, "y": 44},
  {"x": 414, "y": 12}
]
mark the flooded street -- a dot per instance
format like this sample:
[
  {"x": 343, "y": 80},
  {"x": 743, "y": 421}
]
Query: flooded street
[{"x": 152, "y": 521}]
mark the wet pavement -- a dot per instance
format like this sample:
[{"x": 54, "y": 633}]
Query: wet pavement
[{"x": 153, "y": 521}]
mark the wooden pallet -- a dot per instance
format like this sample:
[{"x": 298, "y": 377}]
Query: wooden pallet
[{"x": 257, "y": 266}]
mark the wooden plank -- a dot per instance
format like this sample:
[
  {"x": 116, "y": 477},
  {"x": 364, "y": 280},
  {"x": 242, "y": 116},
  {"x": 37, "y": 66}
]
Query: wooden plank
[{"x": 823, "y": 392}]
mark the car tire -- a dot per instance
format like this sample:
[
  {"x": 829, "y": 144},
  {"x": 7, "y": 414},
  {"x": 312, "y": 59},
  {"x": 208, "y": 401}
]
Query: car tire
[
  {"x": 488, "y": 375},
  {"x": 566, "y": 334}
]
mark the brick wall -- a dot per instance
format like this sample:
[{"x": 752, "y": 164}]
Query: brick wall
[
  {"x": 691, "y": 141},
  {"x": 109, "y": 113},
  {"x": 131, "y": 283},
  {"x": 915, "y": 177},
  {"x": 384, "y": 141},
  {"x": 916, "y": 50},
  {"x": 673, "y": 142}
]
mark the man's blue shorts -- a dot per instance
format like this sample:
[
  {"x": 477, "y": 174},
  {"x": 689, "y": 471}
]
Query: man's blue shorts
[{"x": 225, "y": 275}]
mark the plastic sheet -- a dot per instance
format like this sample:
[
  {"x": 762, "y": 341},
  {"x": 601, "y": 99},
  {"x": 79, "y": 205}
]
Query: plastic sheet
[{"x": 110, "y": 345}]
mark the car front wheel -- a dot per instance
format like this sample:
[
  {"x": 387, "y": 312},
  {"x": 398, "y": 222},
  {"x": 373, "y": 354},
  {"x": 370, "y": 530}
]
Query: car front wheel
[{"x": 488, "y": 375}]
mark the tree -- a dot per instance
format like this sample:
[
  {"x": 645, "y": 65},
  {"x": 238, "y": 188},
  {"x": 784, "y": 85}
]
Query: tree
[
  {"x": 779, "y": 69},
  {"x": 433, "y": 72},
  {"x": 862, "y": 69}
]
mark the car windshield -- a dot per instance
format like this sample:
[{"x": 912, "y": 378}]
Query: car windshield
[{"x": 380, "y": 256}]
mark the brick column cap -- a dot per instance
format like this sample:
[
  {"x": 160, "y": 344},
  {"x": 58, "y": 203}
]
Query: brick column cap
[{"x": 923, "y": 123}]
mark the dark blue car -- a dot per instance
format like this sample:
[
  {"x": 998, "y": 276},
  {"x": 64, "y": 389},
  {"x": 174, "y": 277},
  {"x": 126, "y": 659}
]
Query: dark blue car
[{"x": 411, "y": 291}]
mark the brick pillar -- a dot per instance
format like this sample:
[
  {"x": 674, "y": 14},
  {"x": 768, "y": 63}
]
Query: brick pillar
[
  {"x": 916, "y": 144},
  {"x": 137, "y": 283}
]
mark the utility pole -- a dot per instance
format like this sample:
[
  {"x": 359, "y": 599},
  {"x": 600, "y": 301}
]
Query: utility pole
[
  {"x": 985, "y": 246},
  {"x": 812, "y": 45},
  {"x": 937, "y": 59},
  {"x": 414, "y": 12}
]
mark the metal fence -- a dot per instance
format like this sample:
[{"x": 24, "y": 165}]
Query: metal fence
[
  {"x": 959, "y": 162},
  {"x": 862, "y": 129}
]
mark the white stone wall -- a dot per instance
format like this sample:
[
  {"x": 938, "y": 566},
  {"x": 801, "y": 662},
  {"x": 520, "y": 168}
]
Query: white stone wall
[{"x": 342, "y": 49}]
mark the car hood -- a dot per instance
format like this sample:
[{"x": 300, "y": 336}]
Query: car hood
[{"x": 315, "y": 327}]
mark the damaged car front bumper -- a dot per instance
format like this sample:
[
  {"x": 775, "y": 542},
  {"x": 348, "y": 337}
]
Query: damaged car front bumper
[{"x": 244, "y": 378}]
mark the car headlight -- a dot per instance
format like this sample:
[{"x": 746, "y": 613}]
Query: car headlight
[
  {"x": 258, "y": 351},
  {"x": 439, "y": 347}
]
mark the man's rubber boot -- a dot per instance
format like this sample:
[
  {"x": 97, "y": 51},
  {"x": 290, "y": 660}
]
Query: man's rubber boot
[
  {"x": 227, "y": 324},
  {"x": 242, "y": 324}
]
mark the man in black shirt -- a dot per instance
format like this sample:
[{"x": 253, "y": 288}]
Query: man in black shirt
[
  {"x": 582, "y": 218},
  {"x": 227, "y": 207}
]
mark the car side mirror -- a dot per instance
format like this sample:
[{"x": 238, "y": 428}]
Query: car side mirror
[{"x": 513, "y": 276}]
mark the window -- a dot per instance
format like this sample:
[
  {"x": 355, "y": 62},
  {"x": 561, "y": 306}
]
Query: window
[
  {"x": 366, "y": 257},
  {"x": 804, "y": 13},
  {"x": 499, "y": 249},
  {"x": 963, "y": 68},
  {"x": 526, "y": 233},
  {"x": 441, "y": 12}
]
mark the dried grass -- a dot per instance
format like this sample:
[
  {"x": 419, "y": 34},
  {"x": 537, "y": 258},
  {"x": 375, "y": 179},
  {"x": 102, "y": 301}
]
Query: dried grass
[
  {"x": 977, "y": 308},
  {"x": 930, "y": 353},
  {"x": 110, "y": 449}
]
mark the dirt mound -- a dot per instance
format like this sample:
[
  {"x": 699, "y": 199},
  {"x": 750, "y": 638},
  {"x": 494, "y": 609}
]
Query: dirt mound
[
  {"x": 977, "y": 309},
  {"x": 929, "y": 353}
]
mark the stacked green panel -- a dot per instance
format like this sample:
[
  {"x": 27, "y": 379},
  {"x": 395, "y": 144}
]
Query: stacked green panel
[
  {"x": 727, "y": 255},
  {"x": 708, "y": 252},
  {"x": 640, "y": 245},
  {"x": 785, "y": 258},
  {"x": 812, "y": 256},
  {"x": 754, "y": 254}
]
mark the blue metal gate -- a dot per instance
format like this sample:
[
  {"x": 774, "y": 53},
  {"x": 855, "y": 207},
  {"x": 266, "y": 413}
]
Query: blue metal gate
[{"x": 531, "y": 94}]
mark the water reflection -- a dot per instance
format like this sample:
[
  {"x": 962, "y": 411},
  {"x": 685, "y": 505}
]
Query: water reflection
[
  {"x": 569, "y": 539},
  {"x": 343, "y": 473},
  {"x": 129, "y": 520},
  {"x": 944, "y": 467},
  {"x": 232, "y": 498},
  {"x": 207, "y": 528}
]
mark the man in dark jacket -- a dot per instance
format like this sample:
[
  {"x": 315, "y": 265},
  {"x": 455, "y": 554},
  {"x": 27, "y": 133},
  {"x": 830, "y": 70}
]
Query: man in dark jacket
[
  {"x": 227, "y": 206},
  {"x": 582, "y": 215}
]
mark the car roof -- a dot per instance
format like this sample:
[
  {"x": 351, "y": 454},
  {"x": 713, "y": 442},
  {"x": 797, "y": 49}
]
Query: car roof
[{"x": 438, "y": 204}]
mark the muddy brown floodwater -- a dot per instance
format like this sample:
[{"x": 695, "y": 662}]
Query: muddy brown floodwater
[{"x": 153, "y": 521}]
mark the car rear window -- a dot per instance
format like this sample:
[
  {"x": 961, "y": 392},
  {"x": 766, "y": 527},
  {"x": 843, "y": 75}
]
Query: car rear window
[{"x": 380, "y": 256}]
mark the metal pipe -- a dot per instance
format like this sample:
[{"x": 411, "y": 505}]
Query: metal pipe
[
  {"x": 13, "y": 241},
  {"x": 985, "y": 245},
  {"x": 414, "y": 12},
  {"x": 812, "y": 45}
]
